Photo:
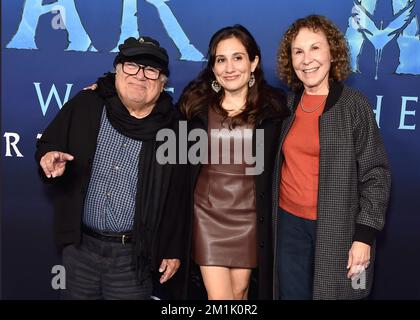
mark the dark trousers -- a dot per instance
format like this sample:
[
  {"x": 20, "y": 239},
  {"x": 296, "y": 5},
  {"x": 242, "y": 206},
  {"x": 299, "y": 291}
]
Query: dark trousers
[
  {"x": 295, "y": 253},
  {"x": 102, "y": 270}
]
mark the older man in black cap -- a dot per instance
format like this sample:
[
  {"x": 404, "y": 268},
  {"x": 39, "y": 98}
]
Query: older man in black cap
[{"x": 118, "y": 211}]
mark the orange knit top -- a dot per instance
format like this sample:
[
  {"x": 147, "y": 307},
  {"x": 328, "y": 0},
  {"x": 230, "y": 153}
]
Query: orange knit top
[{"x": 300, "y": 169}]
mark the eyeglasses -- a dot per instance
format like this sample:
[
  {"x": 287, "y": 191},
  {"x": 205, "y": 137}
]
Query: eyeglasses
[{"x": 132, "y": 69}]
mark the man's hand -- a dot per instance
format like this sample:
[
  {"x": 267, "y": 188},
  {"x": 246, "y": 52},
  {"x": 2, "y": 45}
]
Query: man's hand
[
  {"x": 91, "y": 87},
  {"x": 168, "y": 267},
  {"x": 54, "y": 163}
]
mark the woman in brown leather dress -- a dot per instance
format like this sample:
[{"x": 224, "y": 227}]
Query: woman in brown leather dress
[{"x": 230, "y": 190}]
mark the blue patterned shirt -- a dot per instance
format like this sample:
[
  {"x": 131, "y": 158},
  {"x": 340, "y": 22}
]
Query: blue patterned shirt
[{"x": 111, "y": 197}]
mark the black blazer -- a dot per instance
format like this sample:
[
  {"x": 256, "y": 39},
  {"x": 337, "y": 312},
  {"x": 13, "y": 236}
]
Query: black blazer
[{"x": 74, "y": 130}]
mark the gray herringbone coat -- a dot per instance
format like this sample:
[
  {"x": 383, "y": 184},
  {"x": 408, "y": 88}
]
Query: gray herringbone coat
[{"x": 354, "y": 186}]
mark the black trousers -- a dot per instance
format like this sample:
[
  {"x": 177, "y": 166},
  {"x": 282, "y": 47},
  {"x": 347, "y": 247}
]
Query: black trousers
[
  {"x": 295, "y": 251},
  {"x": 102, "y": 270}
]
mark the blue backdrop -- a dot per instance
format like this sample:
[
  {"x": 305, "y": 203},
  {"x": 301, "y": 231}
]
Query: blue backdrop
[{"x": 52, "y": 49}]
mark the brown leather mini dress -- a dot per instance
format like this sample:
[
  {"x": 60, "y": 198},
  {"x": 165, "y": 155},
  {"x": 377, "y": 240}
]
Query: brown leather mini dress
[{"x": 224, "y": 227}]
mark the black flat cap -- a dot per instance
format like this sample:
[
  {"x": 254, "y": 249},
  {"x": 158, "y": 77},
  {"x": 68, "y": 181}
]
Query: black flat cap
[{"x": 145, "y": 51}]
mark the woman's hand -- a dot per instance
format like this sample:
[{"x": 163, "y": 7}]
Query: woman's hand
[{"x": 359, "y": 258}]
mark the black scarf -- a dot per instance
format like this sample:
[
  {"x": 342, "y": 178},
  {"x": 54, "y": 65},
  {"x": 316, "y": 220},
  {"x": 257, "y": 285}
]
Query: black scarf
[{"x": 153, "y": 179}]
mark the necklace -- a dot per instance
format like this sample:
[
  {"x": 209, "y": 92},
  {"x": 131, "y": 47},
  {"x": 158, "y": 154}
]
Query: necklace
[{"x": 314, "y": 109}]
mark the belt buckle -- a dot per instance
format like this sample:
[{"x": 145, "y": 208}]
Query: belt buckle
[{"x": 123, "y": 239}]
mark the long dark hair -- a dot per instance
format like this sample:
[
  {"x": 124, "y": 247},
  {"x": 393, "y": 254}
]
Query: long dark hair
[{"x": 198, "y": 95}]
